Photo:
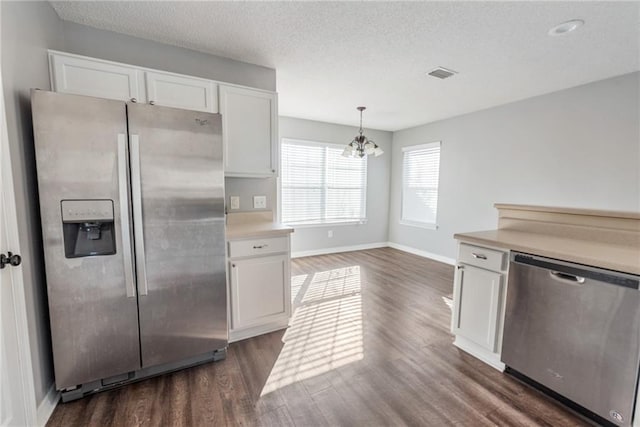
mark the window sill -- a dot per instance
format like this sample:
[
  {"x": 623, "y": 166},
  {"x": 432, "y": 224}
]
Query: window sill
[
  {"x": 425, "y": 225},
  {"x": 327, "y": 224}
]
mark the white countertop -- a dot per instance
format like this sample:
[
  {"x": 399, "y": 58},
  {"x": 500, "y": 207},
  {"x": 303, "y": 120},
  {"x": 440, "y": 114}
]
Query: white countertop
[
  {"x": 614, "y": 255},
  {"x": 243, "y": 225}
]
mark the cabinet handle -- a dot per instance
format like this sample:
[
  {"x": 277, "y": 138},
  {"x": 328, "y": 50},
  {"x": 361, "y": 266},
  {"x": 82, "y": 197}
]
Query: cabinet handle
[
  {"x": 478, "y": 256},
  {"x": 233, "y": 265},
  {"x": 260, "y": 246},
  {"x": 133, "y": 100},
  {"x": 152, "y": 102},
  {"x": 460, "y": 267}
]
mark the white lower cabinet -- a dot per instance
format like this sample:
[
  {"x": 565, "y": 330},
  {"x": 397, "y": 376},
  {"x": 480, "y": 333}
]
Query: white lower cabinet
[
  {"x": 479, "y": 299},
  {"x": 260, "y": 289},
  {"x": 477, "y": 309},
  {"x": 257, "y": 293}
]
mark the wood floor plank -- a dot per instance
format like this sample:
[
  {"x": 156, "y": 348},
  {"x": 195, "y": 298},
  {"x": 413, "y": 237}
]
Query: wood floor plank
[
  {"x": 279, "y": 417},
  {"x": 369, "y": 344}
]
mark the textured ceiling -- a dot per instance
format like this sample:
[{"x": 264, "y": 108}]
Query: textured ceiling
[{"x": 333, "y": 56}]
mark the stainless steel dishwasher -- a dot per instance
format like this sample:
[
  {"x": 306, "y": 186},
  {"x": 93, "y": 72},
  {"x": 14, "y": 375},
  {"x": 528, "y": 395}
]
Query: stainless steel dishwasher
[{"x": 575, "y": 330}]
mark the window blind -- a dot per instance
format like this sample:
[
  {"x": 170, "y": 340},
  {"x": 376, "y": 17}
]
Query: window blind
[
  {"x": 420, "y": 176},
  {"x": 318, "y": 185}
]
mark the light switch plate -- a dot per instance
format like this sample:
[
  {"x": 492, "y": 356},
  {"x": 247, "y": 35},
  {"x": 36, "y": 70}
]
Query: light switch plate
[
  {"x": 235, "y": 202},
  {"x": 259, "y": 202}
]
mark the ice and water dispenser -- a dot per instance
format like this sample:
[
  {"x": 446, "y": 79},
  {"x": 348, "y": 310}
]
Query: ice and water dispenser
[{"x": 88, "y": 228}]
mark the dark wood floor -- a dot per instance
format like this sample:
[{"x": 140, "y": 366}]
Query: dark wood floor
[{"x": 369, "y": 345}]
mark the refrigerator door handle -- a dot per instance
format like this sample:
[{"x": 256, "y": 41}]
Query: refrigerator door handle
[
  {"x": 138, "y": 231},
  {"x": 125, "y": 225}
]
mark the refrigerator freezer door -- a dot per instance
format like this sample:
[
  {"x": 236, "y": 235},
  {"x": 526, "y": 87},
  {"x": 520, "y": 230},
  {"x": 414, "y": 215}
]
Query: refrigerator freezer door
[
  {"x": 82, "y": 156},
  {"x": 178, "y": 204}
]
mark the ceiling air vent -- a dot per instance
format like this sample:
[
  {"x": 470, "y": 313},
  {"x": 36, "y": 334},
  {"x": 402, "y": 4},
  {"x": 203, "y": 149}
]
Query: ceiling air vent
[{"x": 442, "y": 73}]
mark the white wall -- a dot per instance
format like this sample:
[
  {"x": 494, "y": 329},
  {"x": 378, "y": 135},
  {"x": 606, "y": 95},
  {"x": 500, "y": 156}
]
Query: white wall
[
  {"x": 378, "y": 175},
  {"x": 28, "y": 30},
  {"x": 578, "y": 147},
  {"x": 83, "y": 40},
  {"x": 246, "y": 188}
]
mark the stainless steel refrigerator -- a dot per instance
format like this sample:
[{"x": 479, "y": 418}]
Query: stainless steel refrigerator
[{"x": 132, "y": 207}]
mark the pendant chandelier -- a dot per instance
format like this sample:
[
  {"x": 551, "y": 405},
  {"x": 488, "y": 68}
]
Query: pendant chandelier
[{"x": 361, "y": 145}]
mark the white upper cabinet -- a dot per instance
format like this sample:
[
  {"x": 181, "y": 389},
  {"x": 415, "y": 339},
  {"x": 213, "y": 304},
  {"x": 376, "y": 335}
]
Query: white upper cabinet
[
  {"x": 249, "y": 116},
  {"x": 177, "y": 91},
  {"x": 78, "y": 76},
  {"x": 249, "y": 131}
]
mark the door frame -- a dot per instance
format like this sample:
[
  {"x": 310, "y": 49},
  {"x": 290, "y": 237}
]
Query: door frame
[{"x": 7, "y": 195}]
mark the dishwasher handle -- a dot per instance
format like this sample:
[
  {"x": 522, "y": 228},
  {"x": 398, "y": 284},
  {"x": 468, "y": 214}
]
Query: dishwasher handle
[
  {"x": 568, "y": 278},
  {"x": 569, "y": 272}
]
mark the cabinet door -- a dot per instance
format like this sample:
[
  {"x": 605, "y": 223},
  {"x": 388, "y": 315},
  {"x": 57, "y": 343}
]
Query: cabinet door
[
  {"x": 477, "y": 303},
  {"x": 80, "y": 76},
  {"x": 175, "y": 91},
  {"x": 259, "y": 291},
  {"x": 249, "y": 131}
]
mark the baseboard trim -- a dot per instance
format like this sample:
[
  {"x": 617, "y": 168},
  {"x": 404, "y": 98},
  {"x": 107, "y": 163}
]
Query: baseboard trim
[
  {"x": 338, "y": 249},
  {"x": 422, "y": 253},
  {"x": 47, "y": 406}
]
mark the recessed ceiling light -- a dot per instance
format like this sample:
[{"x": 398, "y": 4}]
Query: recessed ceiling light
[{"x": 566, "y": 27}]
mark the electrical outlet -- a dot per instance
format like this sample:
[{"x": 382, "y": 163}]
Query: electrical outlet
[
  {"x": 235, "y": 202},
  {"x": 330, "y": 233},
  {"x": 259, "y": 202}
]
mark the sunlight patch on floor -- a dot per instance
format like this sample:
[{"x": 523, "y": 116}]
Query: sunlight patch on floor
[{"x": 326, "y": 328}]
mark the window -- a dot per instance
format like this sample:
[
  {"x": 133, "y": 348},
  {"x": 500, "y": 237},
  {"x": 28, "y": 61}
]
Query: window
[
  {"x": 420, "y": 172},
  {"x": 320, "y": 186}
]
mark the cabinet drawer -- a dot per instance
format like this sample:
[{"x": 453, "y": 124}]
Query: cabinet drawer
[
  {"x": 481, "y": 257},
  {"x": 253, "y": 247}
]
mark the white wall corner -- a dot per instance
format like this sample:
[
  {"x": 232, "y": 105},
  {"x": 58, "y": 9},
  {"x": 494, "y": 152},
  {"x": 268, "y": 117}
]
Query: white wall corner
[
  {"x": 338, "y": 249},
  {"x": 424, "y": 254},
  {"x": 47, "y": 406}
]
